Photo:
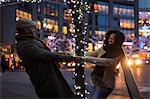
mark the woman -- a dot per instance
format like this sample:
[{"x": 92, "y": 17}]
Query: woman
[{"x": 103, "y": 75}]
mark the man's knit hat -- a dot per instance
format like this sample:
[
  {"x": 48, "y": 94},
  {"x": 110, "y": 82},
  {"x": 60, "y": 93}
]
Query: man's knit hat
[{"x": 24, "y": 23}]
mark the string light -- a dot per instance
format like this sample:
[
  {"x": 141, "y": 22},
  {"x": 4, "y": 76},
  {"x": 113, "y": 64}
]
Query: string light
[{"x": 77, "y": 10}]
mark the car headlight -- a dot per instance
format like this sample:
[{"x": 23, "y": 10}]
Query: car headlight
[
  {"x": 73, "y": 64},
  {"x": 138, "y": 62},
  {"x": 69, "y": 64},
  {"x": 130, "y": 62},
  {"x": 147, "y": 62}
]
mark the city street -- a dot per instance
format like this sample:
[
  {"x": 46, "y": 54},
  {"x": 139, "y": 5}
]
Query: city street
[
  {"x": 16, "y": 85},
  {"x": 33, "y": 32}
]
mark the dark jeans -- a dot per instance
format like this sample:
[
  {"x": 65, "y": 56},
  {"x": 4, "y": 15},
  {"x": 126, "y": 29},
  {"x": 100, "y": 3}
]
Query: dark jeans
[
  {"x": 101, "y": 93},
  {"x": 3, "y": 70}
]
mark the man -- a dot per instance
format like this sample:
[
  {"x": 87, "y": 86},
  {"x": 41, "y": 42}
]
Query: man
[
  {"x": 3, "y": 63},
  {"x": 40, "y": 63}
]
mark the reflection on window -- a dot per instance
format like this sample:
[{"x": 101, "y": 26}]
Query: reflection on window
[{"x": 124, "y": 23}]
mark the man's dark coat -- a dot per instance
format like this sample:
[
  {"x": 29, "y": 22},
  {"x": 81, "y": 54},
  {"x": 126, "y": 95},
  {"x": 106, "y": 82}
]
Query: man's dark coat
[{"x": 42, "y": 67}]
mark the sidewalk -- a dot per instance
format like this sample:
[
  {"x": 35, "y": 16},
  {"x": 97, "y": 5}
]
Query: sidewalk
[{"x": 16, "y": 85}]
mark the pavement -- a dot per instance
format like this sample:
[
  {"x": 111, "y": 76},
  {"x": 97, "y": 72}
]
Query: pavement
[{"x": 17, "y": 85}]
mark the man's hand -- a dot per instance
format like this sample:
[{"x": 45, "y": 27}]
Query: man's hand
[{"x": 77, "y": 58}]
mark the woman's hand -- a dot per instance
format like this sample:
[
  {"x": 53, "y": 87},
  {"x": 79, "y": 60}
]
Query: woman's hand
[{"x": 78, "y": 58}]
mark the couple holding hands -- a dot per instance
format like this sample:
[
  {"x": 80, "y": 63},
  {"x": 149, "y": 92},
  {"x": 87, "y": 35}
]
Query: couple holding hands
[{"x": 42, "y": 65}]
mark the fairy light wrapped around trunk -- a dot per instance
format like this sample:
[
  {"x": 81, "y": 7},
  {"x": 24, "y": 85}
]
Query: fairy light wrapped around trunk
[{"x": 77, "y": 8}]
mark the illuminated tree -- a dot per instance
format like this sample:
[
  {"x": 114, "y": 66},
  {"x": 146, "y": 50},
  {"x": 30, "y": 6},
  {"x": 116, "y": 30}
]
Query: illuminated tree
[{"x": 78, "y": 9}]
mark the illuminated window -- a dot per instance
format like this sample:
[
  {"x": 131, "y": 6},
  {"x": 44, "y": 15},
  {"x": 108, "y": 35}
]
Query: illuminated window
[
  {"x": 124, "y": 23},
  {"x": 38, "y": 8},
  {"x": 100, "y": 35},
  {"x": 100, "y": 8},
  {"x": 123, "y": 10},
  {"x": 90, "y": 47},
  {"x": 64, "y": 29},
  {"x": 56, "y": 28},
  {"x": 45, "y": 9},
  {"x": 67, "y": 16},
  {"x": 17, "y": 12},
  {"x": 115, "y": 10},
  {"x": 72, "y": 28},
  {"x": 38, "y": 24},
  {"x": 22, "y": 14},
  {"x": 56, "y": 12},
  {"x": 51, "y": 10},
  {"x": 50, "y": 24},
  {"x": 95, "y": 7}
]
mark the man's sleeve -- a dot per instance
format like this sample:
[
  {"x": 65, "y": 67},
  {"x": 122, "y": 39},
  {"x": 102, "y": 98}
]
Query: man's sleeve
[
  {"x": 33, "y": 52},
  {"x": 102, "y": 61}
]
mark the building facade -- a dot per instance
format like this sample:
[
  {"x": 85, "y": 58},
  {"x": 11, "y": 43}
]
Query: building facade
[
  {"x": 52, "y": 16},
  {"x": 144, "y": 24},
  {"x": 113, "y": 14},
  {"x": 7, "y": 28}
]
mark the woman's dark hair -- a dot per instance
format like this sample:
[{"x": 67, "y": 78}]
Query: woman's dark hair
[{"x": 119, "y": 38}]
